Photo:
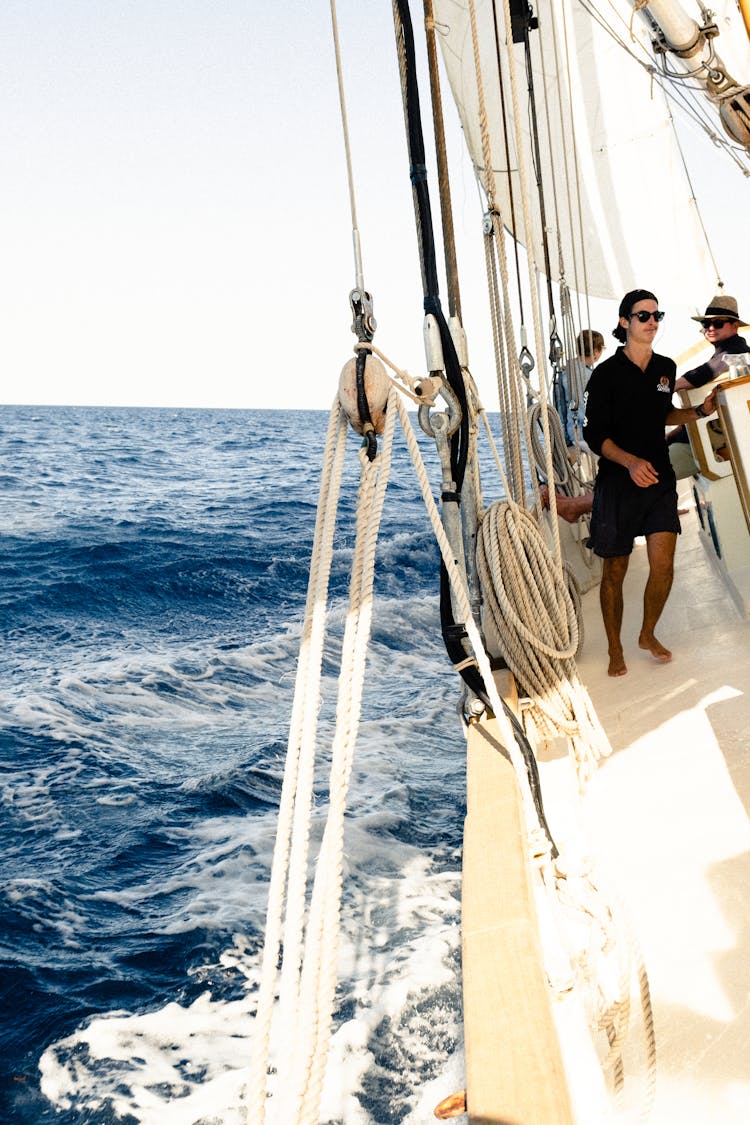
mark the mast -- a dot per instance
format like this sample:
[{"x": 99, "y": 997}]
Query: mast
[{"x": 680, "y": 35}]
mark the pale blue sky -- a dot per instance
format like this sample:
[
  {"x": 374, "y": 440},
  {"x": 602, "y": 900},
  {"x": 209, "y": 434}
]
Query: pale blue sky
[{"x": 175, "y": 222}]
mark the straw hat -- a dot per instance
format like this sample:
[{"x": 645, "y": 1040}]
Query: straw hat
[{"x": 720, "y": 306}]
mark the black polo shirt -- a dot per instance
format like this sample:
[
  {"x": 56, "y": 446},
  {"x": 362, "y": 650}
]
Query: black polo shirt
[{"x": 630, "y": 407}]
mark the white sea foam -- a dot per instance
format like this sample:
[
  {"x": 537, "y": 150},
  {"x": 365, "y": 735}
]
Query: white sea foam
[
  {"x": 398, "y": 984},
  {"x": 47, "y": 911},
  {"x": 153, "y": 723},
  {"x": 186, "y": 1065}
]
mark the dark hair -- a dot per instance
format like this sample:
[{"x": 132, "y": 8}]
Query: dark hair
[{"x": 626, "y": 307}]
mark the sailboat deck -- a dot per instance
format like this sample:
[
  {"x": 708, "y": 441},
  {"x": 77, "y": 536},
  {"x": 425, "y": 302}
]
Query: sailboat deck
[{"x": 667, "y": 817}]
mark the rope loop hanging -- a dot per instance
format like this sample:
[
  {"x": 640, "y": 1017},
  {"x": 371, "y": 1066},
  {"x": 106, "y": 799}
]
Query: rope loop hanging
[{"x": 520, "y": 586}]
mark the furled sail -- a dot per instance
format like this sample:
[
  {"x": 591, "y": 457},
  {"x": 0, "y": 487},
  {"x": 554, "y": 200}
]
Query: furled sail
[{"x": 606, "y": 139}]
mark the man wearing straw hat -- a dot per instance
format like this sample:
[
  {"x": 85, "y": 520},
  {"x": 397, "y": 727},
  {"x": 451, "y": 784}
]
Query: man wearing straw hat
[{"x": 720, "y": 324}]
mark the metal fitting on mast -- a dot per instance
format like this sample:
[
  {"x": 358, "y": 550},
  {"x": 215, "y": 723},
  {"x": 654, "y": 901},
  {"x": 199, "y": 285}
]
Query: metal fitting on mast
[
  {"x": 363, "y": 319},
  {"x": 361, "y": 416},
  {"x": 676, "y": 33}
]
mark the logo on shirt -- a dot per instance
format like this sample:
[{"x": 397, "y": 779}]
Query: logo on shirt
[{"x": 664, "y": 385}]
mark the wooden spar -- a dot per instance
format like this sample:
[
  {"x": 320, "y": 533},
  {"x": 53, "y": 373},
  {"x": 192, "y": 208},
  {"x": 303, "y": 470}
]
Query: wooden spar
[
  {"x": 745, "y": 9},
  {"x": 514, "y": 1067}
]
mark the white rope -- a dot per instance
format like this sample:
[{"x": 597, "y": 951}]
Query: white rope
[
  {"x": 319, "y": 971},
  {"x": 506, "y": 357},
  {"x": 521, "y": 585},
  {"x": 297, "y": 783},
  {"x": 306, "y": 1000},
  {"x": 611, "y": 939},
  {"x": 530, "y": 256},
  {"x": 307, "y": 989},
  {"x": 464, "y": 617},
  {"x": 421, "y": 390},
  {"x": 499, "y": 243},
  {"x": 562, "y": 473},
  {"x": 570, "y": 153}
]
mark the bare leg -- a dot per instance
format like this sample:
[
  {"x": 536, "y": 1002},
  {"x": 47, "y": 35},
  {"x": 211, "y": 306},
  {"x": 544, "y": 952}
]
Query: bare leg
[
  {"x": 610, "y": 599},
  {"x": 569, "y": 508},
  {"x": 660, "y": 547}
]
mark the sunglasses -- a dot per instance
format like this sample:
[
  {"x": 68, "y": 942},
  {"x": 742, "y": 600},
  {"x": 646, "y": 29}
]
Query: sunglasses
[
  {"x": 644, "y": 316},
  {"x": 715, "y": 322}
]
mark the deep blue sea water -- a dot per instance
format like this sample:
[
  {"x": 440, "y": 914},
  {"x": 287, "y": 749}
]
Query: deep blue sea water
[{"x": 154, "y": 570}]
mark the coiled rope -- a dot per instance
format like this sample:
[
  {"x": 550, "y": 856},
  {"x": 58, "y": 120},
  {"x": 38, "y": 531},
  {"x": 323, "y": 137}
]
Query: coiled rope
[
  {"x": 521, "y": 587},
  {"x": 562, "y": 474}
]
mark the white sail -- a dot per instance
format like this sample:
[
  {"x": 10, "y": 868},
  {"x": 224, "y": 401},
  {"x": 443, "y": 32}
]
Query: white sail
[{"x": 605, "y": 132}]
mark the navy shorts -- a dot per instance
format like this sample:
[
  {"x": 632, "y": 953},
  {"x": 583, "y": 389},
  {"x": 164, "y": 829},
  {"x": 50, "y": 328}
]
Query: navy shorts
[{"x": 621, "y": 511}]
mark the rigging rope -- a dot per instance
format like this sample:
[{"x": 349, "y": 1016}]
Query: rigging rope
[
  {"x": 296, "y": 793},
  {"x": 307, "y": 983},
  {"x": 511, "y": 194},
  {"x": 446, "y": 211},
  {"x": 307, "y": 987},
  {"x": 672, "y": 86},
  {"x": 537, "y": 164},
  {"x": 562, "y": 470},
  {"x": 506, "y": 361},
  {"x": 307, "y": 978},
  {"x": 688, "y": 177},
  {"x": 576, "y": 166},
  {"x": 499, "y": 246},
  {"x": 318, "y": 978}
]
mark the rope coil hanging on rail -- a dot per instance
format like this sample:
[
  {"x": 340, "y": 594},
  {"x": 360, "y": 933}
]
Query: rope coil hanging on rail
[{"x": 521, "y": 585}]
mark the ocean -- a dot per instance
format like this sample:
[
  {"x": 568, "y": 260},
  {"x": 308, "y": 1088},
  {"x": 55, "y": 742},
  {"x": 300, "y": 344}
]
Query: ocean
[{"x": 154, "y": 573}]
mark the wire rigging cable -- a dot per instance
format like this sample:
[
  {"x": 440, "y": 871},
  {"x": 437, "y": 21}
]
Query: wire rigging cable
[
  {"x": 347, "y": 148},
  {"x": 675, "y": 87}
]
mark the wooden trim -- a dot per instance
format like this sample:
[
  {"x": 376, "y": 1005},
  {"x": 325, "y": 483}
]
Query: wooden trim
[
  {"x": 735, "y": 446},
  {"x": 698, "y": 445},
  {"x": 745, "y": 9},
  {"x": 699, "y": 452},
  {"x": 514, "y": 1068}
]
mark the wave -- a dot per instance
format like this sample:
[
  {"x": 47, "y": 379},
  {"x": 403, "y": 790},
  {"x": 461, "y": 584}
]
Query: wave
[{"x": 155, "y": 573}]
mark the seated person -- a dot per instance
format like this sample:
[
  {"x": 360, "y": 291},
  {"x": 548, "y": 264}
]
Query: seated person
[
  {"x": 569, "y": 508},
  {"x": 720, "y": 324},
  {"x": 569, "y": 388}
]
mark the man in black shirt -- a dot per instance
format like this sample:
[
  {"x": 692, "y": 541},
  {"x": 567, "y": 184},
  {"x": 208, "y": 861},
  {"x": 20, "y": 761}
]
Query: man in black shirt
[
  {"x": 628, "y": 405},
  {"x": 720, "y": 324}
]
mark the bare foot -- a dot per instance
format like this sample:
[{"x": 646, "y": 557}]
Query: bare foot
[
  {"x": 452, "y": 1106},
  {"x": 657, "y": 650},
  {"x": 617, "y": 665}
]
